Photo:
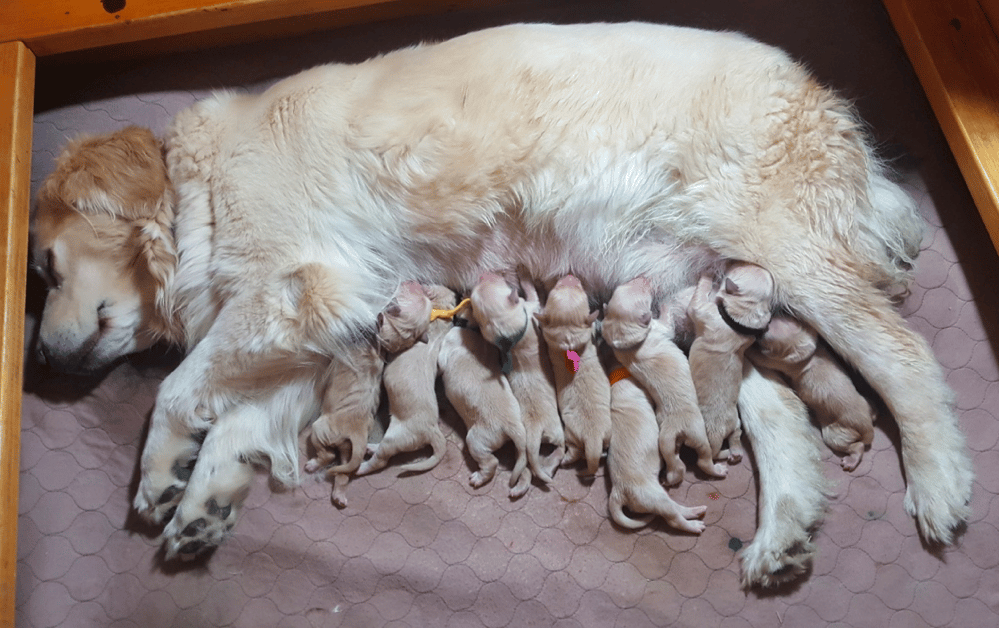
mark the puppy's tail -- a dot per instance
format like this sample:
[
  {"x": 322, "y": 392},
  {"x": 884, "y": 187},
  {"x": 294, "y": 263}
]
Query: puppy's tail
[
  {"x": 616, "y": 510},
  {"x": 438, "y": 445}
]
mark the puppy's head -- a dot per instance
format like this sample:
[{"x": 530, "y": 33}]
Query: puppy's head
[
  {"x": 787, "y": 340},
  {"x": 566, "y": 319},
  {"x": 502, "y": 315},
  {"x": 627, "y": 316},
  {"x": 747, "y": 294},
  {"x": 406, "y": 319},
  {"x": 101, "y": 240}
]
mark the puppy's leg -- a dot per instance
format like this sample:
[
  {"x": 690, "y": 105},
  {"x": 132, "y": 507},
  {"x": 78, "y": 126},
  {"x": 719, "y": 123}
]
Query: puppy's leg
[
  {"x": 481, "y": 442},
  {"x": 859, "y": 322},
  {"x": 792, "y": 494},
  {"x": 653, "y": 498}
]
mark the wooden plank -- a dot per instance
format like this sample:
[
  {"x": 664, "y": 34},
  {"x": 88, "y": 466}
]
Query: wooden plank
[
  {"x": 954, "y": 52},
  {"x": 132, "y": 26},
  {"x": 17, "y": 84}
]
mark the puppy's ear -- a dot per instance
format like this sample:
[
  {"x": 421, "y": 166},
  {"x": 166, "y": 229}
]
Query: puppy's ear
[
  {"x": 513, "y": 297},
  {"x": 731, "y": 287},
  {"x": 645, "y": 319},
  {"x": 592, "y": 317},
  {"x": 393, "y": 309}
]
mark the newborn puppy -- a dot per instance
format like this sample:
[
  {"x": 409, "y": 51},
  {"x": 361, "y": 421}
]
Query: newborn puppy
[
  {"x": 846, "y": 418},
  {"x": 409, "y": 382},
  {"x": 499, "y": 310},
  {"x": 716, "y": 355},
  {"x": 350, "y": 400},
  {"x": 646, "y": 348},
  {"x": 353, "y": 386},
  {"x": 583, "y": 392},
  {"x": 481, "y": 395},
  {"x": 634, "y": 460}
]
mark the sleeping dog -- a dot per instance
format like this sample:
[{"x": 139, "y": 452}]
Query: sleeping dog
[{"x": 265, "y": 232}]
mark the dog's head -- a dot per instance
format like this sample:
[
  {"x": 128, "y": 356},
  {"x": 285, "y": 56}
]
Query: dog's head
[
  {"x": 566, "y": 319},
  {"x": 405, "y": 321},
  {"x": 628, "y": 315},
  {"x": 101, "y": 240},
  {"x": 789, "y": 341}
]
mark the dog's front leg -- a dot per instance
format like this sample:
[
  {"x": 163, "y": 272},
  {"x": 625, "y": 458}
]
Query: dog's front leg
[
  {"x": 792, "y": 488},
  {"x": 181, "y": 419}
]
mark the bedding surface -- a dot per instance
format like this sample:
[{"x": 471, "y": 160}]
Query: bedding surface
[{"x": 427, "y": 549}]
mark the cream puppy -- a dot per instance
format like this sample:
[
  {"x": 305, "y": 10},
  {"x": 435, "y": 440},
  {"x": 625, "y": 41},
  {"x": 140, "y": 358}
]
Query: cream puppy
[
  {"x": 498, "y": 307},
  {"x": 634, "y": 460},
  {"x": 584, "y": 394},
  {"x": 353, "y": 386},
  {"x": 845, "y": 416},
  {"x": 408, "y": 380},
  {"x": 481, "y": 395},
  {"x": 646, "y": 348},
  {"x": 726, "y": 321},
  {"x": 350, "y": 401}
]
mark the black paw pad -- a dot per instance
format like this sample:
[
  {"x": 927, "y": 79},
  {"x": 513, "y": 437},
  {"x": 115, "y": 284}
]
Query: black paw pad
[
  {"x": 182, "y": 471},
  {"x": 169, "y": 495},
  {"x": 213, "y": 509},
  {"x": 191, "y": 547},
  {"x": 195, "y": 527}
]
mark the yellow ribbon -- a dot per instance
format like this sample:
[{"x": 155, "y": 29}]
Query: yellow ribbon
[{"x": 449, "y": 314}]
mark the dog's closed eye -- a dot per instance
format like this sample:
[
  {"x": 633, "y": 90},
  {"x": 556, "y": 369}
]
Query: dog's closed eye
[{"x": 47, "y": 271}]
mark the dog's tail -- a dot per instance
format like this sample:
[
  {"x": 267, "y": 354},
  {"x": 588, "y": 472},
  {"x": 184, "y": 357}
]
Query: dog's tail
[
  {"x": 617, "y": 512},
  {"x": 438, "y": 446}
]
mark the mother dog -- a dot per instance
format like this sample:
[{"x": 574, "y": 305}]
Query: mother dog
[{"x": 271, "y": 230}]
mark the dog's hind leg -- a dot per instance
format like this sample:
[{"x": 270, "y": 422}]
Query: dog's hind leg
[
  {"x": 861, "y": 325},
  {"x": 792, "y": 488}
]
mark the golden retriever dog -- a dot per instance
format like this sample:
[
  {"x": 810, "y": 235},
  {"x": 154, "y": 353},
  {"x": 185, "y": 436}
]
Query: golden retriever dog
[
  {"x": 634, "y": 461},
  {"x": 726, "y": 321},
  {"x": 582, "y": 390},
  {"x": 502, "y": 314},
  {"x": 645, "y": 347},
  {"x": 408, "y": 380},
  {"x": 267, "y": 231},
  {"x": 845, "y": 416},
  {"x": 481, "y": 395}
]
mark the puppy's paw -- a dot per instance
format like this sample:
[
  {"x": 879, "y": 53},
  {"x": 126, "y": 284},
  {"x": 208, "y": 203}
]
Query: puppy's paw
[
  {"x": 520, "y": 488},
  {"x": 338, "y": 494},
  {"x": 196, "y": 529}
]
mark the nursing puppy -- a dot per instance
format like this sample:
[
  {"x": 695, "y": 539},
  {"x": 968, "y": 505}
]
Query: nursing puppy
[
  {"x": 634, "y": 460},
  {"x": 352, "y": 388},
  {"x": 408, "y": 380},
  {"x": 845, "y": 417},
  {"x": 582, "y": 387},
  {"x": 609, "y": 151},
  {"x": 645, "y": 347},
  {"x": 481, "y": 395},
  {"x": 500, "y": 313},
  {"x": 726, "y": 322}
]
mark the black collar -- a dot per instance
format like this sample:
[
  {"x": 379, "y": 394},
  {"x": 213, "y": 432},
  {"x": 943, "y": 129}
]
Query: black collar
[{"x": 739, "y": 328}]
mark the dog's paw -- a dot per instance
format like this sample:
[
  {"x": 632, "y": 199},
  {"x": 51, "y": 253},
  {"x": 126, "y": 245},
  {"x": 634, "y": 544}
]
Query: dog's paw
[
  {"x": 939, "y": 514},
  {"x": 194, "y": 530},
  {"x": 520, "y": 488},
  {"x": 765, "y": 566},
  {"x": 159, "y": 493}
]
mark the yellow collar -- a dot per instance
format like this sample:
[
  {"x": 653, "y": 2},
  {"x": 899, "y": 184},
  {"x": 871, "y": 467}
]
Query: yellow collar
[{"x": 449, "y": 314}]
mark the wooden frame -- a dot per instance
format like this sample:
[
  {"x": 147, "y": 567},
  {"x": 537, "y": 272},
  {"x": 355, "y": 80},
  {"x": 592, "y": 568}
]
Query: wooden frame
[{"x": 961, "y": 88}]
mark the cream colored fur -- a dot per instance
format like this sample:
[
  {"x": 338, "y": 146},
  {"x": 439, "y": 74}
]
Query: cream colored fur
[
  {"x": 645, "y": 346},
  {"x": 481, "y": 395},
  {"x": 272, "y": 228},
  {"x": 845, "y": 417},
  {"x": 634, "y": 463},
  {"x": 716, "y": 354},
  {"x": 408, "y": 379},
  {"x": 501, "y": 313},
  {"x": 582, "y": 388}
]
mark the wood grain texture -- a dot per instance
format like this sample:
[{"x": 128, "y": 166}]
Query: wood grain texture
[
  {"x": 132, "y": 27},
  {"x": 953, "y": 49},
  {"x": 17, "y": 84}
]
